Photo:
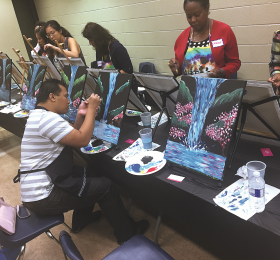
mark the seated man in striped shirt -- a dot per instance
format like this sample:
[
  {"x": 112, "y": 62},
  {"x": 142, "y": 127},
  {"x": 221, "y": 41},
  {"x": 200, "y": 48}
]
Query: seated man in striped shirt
[{"x": 50, "y": 183}]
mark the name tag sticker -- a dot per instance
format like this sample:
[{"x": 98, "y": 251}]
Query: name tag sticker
[
  {"x": 217, "y": 43},
  {"x": 177, "y": 178}
]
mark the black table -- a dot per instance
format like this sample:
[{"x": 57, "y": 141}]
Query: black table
[{"x": 190, "y": 203}]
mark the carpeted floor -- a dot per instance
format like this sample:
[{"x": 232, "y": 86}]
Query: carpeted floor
[{"x": 97, "y": 240}]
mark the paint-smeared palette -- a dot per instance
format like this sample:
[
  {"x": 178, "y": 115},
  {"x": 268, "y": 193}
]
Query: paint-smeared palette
[
  {"x": 21, "y": 114},
  {"x": 96, "y": 146},
  {"x": 145, "y": 163},
  {"x": 129, "y": 112}
]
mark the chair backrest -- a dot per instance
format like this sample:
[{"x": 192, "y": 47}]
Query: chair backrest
[
  {"x": 233, "y": 76},
  {"x": 147, "y": 67}
]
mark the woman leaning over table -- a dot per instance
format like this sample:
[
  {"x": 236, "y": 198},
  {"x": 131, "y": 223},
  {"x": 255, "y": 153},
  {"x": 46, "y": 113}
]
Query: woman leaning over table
[
  {"x": 207, "y": 46},
  {"x": 59, "y": 34},
  {"x": 42, "y": 40},
  {"x": 110, "y": 53}
]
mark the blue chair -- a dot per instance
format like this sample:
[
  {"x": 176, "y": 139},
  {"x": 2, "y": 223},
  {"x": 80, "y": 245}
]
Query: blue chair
[
  {"x": 233, "y": 76},
  {"x": 136, "y": 248},
  {"x": 68, "y": 247},
  {"x": 26, "y": 230}
]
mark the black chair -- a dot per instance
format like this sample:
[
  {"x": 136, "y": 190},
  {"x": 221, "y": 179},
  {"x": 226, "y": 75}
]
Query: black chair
[
  {"x": 28, "y": 229},
  {"x": 147, "y": 67},
  {"x": 136, "y": 248}
]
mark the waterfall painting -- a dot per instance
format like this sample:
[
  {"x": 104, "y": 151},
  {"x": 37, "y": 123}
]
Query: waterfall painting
[
  {"x": 113, "y": 88},
  {"x": 33, "y": 82},
  {"x": 203, "y": 123},
  {"x": 5, "y": 79},
  {"x": 74, "y": 78}
]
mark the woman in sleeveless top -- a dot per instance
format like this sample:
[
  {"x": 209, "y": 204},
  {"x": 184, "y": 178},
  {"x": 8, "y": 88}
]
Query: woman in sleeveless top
[
  {"x": 207, "y": 46},
  {"x": 59, "y": 34}
]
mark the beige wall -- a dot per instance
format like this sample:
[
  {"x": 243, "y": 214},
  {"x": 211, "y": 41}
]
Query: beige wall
[
  {"x": 10, "y": 31},
  {"x": 148, "y": 29}
]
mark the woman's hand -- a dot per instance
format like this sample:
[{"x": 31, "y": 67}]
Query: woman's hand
[
  {"x": 174, "y": 65},
  {"x": 217, "y": 73},
  {"x": 275, "y": 80},
  {"x": 48, "y": 45}
]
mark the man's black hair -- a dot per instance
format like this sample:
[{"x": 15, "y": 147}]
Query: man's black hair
[{"x": 47, "y": 87}]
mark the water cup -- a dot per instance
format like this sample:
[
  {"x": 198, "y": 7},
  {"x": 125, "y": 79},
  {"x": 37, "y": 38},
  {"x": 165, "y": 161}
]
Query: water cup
[
  {"x": 255, "y": 166},
  {"x": 146, "y": 137},
  {"x": 146, "y": 119}
]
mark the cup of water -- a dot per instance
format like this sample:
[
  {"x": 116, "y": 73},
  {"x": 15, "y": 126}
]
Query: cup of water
[
  {"x": 253, "y": 166},
  {"x": 146, "y": 137},
  {"x": 146, "y": 119}
]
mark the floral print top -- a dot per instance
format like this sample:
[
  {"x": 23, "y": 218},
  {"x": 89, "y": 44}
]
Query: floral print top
[{"x": 274, "y": 65}]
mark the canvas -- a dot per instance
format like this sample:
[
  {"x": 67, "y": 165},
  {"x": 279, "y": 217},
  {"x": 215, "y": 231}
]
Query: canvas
[
  {"x": 16, "y": 74},
  {"x": 203, "y": 123},
  {"x": 74, "y": 77},
  {"x": 113, "y": 88},
  {"x": 33, "y": 82},
  {"x": 5, "y": 79}
]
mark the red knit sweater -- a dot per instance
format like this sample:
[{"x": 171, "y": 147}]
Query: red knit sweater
[{"x": 225, "y": 56}]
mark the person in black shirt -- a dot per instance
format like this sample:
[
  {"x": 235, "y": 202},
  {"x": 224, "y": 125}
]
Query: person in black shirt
[{"x": 110, "y": 53}]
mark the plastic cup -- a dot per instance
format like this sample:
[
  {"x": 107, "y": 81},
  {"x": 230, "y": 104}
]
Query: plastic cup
[
  {"x": 146, "y": 137},
  {"x": 253, "y": 166},
  {"x": 146, "y": 119}
]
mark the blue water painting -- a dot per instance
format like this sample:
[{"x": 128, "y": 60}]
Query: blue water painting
[
  {"x": 106, "y": 132},
  {"x": 202, "y": 161}
]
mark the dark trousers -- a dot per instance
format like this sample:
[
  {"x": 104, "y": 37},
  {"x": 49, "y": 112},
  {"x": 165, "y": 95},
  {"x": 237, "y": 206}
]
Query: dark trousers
[{"x": 102, "y": 191}]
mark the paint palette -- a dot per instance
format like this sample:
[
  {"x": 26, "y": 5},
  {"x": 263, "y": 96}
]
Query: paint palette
[
  {"x": 95, "y": 146},
  {"x": 145, "y": 163},
  {"x": 129, "y": 112},
  {"x": 21, "y": 114}
]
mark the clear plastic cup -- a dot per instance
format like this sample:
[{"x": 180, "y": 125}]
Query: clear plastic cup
[
  {"x": 255, "y": 166},
  {"x": 146, "y": 137},
  {"x": 146, "y": 119}
]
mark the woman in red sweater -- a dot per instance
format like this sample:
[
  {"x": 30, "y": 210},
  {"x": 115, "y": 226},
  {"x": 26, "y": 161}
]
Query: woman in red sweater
[{"x": 207, "y": 46}]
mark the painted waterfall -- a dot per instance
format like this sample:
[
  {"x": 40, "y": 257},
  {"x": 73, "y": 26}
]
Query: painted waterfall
[
  {"x": 5, "y": 79},
  {"x": 203, "y": 123},
  {"x": 113, "y": 88},
  {"x": 74, "y": 77},
  {"x": 33, "y": 82}
]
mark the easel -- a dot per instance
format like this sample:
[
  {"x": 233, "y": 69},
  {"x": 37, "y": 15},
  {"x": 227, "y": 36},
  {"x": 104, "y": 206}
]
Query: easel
[
  {"x": 42, "y": 62},
  {"x": 16, "y": 74},
  {"x": 163, "y": 86},
  {"x": 59, "y": 45},
  {"x": 25, "y": 68},
  {"x": 252, "y": 108}
]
